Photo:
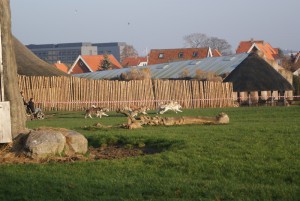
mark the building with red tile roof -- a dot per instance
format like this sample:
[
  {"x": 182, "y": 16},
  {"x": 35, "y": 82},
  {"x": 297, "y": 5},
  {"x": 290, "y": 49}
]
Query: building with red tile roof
[
  {"x": 158, "y": 56},
  {"x": 92, "y": 63},
  {"x": 268, "y": 51},
  {"x": 216, "y": 53},
  {"x": 61, "y": 66},
  {"x": 134, "y": 61}
]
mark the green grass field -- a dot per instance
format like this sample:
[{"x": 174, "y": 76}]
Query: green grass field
[{"x": 255, "y": 157}]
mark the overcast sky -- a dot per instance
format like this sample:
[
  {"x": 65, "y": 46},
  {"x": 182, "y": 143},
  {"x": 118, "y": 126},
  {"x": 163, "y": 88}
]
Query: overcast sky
[{"x": 156, "y": 24}]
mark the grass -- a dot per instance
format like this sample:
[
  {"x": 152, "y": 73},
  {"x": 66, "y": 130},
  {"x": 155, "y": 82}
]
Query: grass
[{"x": 255, "y": 157}]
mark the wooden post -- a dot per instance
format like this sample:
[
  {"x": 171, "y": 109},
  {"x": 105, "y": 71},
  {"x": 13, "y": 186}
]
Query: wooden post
[{"x": 1, "y": 70}]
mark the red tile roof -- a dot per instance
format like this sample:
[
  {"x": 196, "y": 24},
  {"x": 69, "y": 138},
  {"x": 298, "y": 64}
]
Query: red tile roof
[
  {"x": 158, "y": 56},
  {"x": 216, "y": 53},
  {"x": 91, "y": 63},
  {"x": 95, "y": 60},
  {"x": 61, "y": 66},
  {"x": 133, "y": 61},
  {"x": 270, "y": 52}
]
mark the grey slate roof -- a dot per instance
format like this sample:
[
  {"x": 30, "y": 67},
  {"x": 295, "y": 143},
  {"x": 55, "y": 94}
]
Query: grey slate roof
[{"x": 218, "y": 65}]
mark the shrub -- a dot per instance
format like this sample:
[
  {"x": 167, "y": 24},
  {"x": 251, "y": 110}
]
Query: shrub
[
  {"x": 185, "y": 73},
  {"x": 136, "y": 74},
  {"x": 207, "y": 76}
]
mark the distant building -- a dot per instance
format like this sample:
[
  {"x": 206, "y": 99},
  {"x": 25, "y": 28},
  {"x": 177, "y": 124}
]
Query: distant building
[
  {"x": 292, "y": 63},
  {"x": 288, "y": 52},
  {"x": 268, "y": 51},
  {"x": 114, "y": 48},
  {"x": 216, "y": 53},
  {"x": 68, "y": 52},
  {"x": 134, "y": 61},
  {"x": 61, "y": 66},
  {"x": 92, "y": 63},
  {"x": 269, "y": 54},
  {"x": 158, "y": 56},
  {"x": 64, "y": 52}
]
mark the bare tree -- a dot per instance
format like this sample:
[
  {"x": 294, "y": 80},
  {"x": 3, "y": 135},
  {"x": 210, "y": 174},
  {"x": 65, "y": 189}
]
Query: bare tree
[
  {"x": 197, "y": 40},
  {"x": 220, "y": 44},
  {"x": 11, "y": 88},
  {"x": 128, "y": 51}
]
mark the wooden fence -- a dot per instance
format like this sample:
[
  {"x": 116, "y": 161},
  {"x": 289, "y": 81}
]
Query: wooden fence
[{"x": 72, "y": 93}]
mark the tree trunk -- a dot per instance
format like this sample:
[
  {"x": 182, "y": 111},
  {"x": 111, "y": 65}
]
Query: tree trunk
[{"x": 11, "y": 88}]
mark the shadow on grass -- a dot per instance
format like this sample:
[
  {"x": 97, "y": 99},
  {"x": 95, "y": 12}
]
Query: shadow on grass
[{"x": 147, "y": 145}]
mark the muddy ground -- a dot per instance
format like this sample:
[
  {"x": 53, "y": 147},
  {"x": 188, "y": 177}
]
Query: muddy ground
[{"x": 7, "y": 156}]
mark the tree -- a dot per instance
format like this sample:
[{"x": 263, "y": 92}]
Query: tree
[
  {"x": 105, "y": 63},
  {"x": 11, "y": 88},
  {"x": 197, "y": 40},
  {"x": 281, "y": 53},
  {"x": 220, "y": 44},
  {"x": 128, "y": 51}
]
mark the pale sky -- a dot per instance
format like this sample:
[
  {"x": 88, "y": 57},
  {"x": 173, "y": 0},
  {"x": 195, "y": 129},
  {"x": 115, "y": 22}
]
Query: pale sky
[{"x": 156, "y": 24}]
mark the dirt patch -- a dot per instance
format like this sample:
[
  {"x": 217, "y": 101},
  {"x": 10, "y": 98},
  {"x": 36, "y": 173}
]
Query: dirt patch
[{"x": 7, "y": 156}]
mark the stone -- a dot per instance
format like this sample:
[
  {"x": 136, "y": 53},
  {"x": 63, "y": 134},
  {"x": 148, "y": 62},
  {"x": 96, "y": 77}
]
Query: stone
[
  {"x": 43, "y": 143},
  {"x": 75, "y": 143}
]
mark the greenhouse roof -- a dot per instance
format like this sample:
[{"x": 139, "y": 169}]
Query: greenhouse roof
[{"x": 174, "y": 70}]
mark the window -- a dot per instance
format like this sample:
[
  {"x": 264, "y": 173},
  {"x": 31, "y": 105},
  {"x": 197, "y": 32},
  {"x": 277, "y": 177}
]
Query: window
[
  {"x": 195, "y": 54},
  {"x": 161, "y": 55},
  {"x": 195, "y": 62},
  {"x": 180, "y": 55}
]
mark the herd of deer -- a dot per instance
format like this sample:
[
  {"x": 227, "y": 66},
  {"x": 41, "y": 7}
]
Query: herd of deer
[
  {"x": 137, "y": 116},
  {"x": 132, "y": 110}
]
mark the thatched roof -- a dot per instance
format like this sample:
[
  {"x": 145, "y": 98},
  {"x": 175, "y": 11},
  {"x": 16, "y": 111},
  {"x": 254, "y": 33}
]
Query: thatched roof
[
  {"x": 29, "y": 64},
  {"x": 255, "y": 74}
]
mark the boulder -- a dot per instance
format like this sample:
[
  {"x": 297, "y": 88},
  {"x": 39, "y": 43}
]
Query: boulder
[
  {"x": 42, "y": 143},
  {"x": 75, "y": 142},
  {"x": 45, "y": 142}
]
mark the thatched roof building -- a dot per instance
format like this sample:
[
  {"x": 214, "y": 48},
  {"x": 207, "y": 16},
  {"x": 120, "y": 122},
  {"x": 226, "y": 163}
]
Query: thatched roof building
[
  {"x": 29, "y": 64},
  {"x": 255, "y": 74}
]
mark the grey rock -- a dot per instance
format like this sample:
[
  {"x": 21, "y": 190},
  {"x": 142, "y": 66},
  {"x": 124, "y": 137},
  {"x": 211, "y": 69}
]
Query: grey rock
[
  {"x": 75, "y": 142},
  {"x": 43, "y": 143}
]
